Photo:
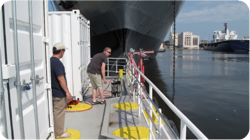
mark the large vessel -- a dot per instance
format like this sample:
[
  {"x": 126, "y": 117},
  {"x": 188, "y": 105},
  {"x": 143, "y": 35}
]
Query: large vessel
[
  {"x": 122, "y": 25},
  {"x": 226, "y": 40}
]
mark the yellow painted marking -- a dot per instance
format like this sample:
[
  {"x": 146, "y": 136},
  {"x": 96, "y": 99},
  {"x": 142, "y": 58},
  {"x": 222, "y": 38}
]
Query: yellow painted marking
[
  {"x": 153, "y": 116},
  {"x": 126, "y": 106},
  {"x": 128, "y": 74},
  {"x": 137, "y": 132},
  {"x": 74, "y": 134},
  {"x": 79, "y": 107}
]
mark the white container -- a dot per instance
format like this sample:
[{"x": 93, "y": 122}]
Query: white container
[
  {"x": 73, "y": 30},
  {"x": 14, "y": 131}
]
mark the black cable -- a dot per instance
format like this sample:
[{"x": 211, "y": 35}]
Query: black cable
[{"x": 174, "y": 28}]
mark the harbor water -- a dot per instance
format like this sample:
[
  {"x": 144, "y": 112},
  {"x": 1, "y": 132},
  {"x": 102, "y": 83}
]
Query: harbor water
[{"x": 210, "y": 88}]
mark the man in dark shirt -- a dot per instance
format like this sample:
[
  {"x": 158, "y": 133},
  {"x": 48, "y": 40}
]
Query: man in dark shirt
[
  {"x": 59, "y": 90},
  {"x": 96, "y": 68}
]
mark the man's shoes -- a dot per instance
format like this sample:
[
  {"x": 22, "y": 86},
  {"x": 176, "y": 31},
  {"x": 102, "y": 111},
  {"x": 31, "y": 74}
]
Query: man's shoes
[
  {"x": 64, "y": 135},
  {"x": 96, "y": 102},
  {"x": 103, "y": 102}
]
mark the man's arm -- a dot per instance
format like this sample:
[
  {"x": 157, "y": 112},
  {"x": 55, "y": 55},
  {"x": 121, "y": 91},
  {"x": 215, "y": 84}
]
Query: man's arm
[
  {"x": 63, "y": 84},
  {"x": 103, "y": 73}
]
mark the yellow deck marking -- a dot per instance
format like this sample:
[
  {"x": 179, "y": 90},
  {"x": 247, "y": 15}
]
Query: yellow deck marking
[
  {"x": 126, "y": 106},
  {"x": 79, "y": 107},
  {"x": 153, "y": 116},
  {"x": 74, "y": 134},
  {"x": 137, "y": 132}
]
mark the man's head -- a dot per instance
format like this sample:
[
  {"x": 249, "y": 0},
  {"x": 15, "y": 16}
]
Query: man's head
[
  {"x": 107, "y": 51},
  {"x": 59, "y": 49}
]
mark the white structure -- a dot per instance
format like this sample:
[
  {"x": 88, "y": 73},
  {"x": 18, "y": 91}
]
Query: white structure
[
  {"x": 162, "y": 46},
  {"x": 72, "y": 29},
  {"x": 25, "y": 71},
  {"x": 186, "y": 40},
  {"x": 224, "y": 35},
  {"x": 25, "y": 51},
  {"x": 245, "y": 38},
  {"x": 171, "y": 39}
]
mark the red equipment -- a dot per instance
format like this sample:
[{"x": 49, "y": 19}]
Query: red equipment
[
  {"x": 142, "y": 54},
  {"x": 72, "y": 102}
]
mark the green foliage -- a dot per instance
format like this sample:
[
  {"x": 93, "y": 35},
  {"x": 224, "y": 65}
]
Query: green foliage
[{"x": 166, "y": 42}]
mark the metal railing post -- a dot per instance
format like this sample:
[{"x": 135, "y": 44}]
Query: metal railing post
[
  {"x": 17, "y": 82},
  {"x": 130, "y": 75},
  {"x": 159, "y": 129},
  {"x": 151, "y": 107},
  {"x": 134, "y": 86},
  {"x": 48, "y": 76},
  {"x": 139, "y": 92},
  {"x": 116, "y": 66},
  {"x": 108, "y": 68},
  {"x": 33, "y": 77},
  {"x": 2, "y": 100},
  {"x": 183, "y": 130}
]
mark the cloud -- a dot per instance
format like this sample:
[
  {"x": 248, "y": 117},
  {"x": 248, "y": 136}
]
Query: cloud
[
  {"x": 214, "y": 12},
  {"x": 204, "y": 2}
]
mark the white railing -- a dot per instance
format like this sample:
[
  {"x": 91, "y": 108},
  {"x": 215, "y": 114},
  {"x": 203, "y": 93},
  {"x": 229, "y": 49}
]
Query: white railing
[
  {"x": 115, "y": 62},
  {"x": 131, "y": 72},
  {"x": 134, "y": 75},
  {"x": 185, "y": 122}
]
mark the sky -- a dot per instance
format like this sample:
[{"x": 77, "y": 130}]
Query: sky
[
  {"x": 52, "y": 6},
  {"x": 203, "y": 17}
]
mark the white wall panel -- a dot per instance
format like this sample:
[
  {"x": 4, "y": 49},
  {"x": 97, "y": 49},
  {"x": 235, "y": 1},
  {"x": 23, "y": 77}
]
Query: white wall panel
[
  {"x": 23, "y": 30},
  {"x": 70, "y": 29}
]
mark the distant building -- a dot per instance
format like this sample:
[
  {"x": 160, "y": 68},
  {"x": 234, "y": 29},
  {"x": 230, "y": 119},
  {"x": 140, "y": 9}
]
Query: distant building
[
  {"x": 204, "y": 41},
  {"x": 246, "y": 38},
  {"x": 172, "y": 39},
  {"x": 186, "y": 40}
]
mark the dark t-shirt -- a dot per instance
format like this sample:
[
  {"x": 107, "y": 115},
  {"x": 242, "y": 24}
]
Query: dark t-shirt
[
  {"x": 57, "y": 69},
  {"x": 94, "y": 66}
]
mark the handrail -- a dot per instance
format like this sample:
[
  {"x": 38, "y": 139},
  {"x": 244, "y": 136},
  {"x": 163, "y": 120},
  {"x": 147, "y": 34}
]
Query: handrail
[
  {"x": 184, "y": 120},
  {"x": 114, "y": 62},
  {"x": 151, "y": 110}
]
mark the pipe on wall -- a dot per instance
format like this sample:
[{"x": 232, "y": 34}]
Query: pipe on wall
[
  {"x": 49, "y": 92},
  {"x": 17, "y": 82},
  {"x": 33, "y": 76}
]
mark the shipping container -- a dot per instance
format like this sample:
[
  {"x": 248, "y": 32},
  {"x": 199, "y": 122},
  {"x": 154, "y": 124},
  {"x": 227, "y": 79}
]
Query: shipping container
[
  {"x": 26, "y": 105},
  {"x": 73, "y": 30}
]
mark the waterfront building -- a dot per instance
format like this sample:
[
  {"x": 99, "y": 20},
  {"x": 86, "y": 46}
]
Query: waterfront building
[
  {"x": 186, "y": 40},
  {"x": 171, "y": 40}
]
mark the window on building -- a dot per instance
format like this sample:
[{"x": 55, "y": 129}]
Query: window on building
[
  {"x": 187, "y": 40},
  {"x": 195, "y": 41}
]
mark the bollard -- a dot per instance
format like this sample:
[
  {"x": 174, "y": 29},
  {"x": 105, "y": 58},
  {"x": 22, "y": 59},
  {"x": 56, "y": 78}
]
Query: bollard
[{"x": 120, "y": 73}]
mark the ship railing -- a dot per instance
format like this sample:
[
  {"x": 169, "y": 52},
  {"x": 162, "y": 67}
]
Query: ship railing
[
  {"x": 142, "y": 92},
  {"x": 114, "y": 64},
  {"x": 133, "y": 77}
]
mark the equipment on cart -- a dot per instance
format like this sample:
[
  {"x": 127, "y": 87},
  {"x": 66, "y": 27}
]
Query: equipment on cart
[
  {"x": 73, "y": 101},
  {"x": 116, "y": 88}
]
